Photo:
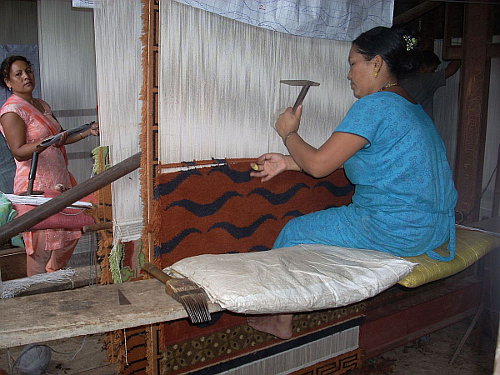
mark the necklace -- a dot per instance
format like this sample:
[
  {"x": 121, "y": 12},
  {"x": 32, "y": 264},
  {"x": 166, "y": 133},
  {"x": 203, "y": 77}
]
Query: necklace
[{"x": 392, "y": 84}]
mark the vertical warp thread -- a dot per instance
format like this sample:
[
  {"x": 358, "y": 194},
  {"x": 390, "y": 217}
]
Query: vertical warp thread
[
  {"x": 118, "y": 28},
  {"x": 220, "y": 94}
]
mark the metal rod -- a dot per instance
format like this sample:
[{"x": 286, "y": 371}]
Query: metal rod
[{"x": 56, "y": 204}]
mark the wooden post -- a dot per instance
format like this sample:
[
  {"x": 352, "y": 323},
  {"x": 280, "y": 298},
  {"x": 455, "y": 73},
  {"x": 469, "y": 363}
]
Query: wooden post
[
  {"x": 475, "y": 76},
  {"x": 70, "y": 196}
]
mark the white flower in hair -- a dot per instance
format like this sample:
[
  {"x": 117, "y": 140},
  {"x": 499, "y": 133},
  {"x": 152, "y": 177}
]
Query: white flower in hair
[{"x": 411, "y": 42}]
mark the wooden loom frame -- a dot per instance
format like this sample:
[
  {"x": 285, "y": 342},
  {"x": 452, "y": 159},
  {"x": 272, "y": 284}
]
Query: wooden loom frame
[{"x": 150, "y": 165}]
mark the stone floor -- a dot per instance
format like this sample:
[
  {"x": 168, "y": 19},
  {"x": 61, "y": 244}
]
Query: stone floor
[
  {"x": 430, "y": 355},
  {"x": 75, "y": 356}
]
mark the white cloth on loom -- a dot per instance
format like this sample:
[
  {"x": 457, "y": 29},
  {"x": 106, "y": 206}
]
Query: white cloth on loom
[
  {"x": 294, "y": 279},
  {"x": 339, "y": 20}
]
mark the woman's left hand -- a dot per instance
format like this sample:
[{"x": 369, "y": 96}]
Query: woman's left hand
[
  {"x": 268, "y": 166},
  {"x": 62, "y": 141},
  {"x": 288, "y": 121}
]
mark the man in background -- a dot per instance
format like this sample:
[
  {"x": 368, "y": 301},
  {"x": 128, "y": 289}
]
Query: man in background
[{"x": 422, "y": 84}]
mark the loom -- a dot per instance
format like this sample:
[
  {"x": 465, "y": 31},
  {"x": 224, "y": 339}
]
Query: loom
[
  {"x": 201, "y": 109},
  {"x": 199, "y": 113}
]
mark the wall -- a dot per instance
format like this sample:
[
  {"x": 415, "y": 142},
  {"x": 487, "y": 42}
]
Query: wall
[{"x": 18, "y": 23}]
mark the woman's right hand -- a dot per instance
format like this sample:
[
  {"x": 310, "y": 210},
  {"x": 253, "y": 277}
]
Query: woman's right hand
[
  {"x": 288, "y": 122},
  {"x": 268, "y": 166}
]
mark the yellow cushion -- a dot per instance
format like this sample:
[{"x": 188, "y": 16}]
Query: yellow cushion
[{"x": 471, "y": 246}]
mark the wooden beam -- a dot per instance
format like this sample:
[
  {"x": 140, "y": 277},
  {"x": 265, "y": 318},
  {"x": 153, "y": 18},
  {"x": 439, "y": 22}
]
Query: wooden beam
[
  {"x": 494, "y": 50},
  {"x": 475, "y": 77},
  {"x": 398, "y": 322},
  {"x": 415, "y": 12},
  {"x": 84, "y": 311},
  {"x": 450, "y": 52},
  {"x": 70, "y": 196}
]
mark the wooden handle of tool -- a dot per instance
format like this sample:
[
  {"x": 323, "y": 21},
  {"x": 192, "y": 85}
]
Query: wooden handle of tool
[
  {"x": 301, "y": 97},
  {"x": 156, "y": 272},
  {"x": 32, "y": 175},
  {"x": 97, "y": 226}
]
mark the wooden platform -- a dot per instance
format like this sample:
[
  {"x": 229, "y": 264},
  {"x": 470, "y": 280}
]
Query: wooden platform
[
  {"x": 392, "y": 321},
  {"x": 89, "y": 310}
]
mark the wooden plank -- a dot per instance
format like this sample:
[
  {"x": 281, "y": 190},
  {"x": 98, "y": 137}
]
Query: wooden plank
[
  {"x": 81, "y": 278},
  {"x": 474, "y": 81},
  {"x": 12, "y": 263},
  {"x": 96, "y": 309},
  {"x": 395, "y": 324},
  {"x": 494, "y": 50},
  {"x": 416, "y": 12}
]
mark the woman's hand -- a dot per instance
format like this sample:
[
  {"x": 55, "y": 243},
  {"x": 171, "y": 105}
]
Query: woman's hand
[
  {"x": 288, "y": 122},
  {"x": 270, "y": 165},
  {"x": 94, "y": 129},
  {"x": 62, "y": 141}
]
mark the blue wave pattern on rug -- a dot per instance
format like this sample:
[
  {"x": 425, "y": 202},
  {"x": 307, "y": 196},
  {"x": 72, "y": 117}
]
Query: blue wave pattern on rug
[
  {"x": 167, "y": 188},
  {"x": 241, "y": 232},
  {"x": 334, "y": 189},
  {"x": 172, "y": 244},
  {"x": 235, "y": 176},
  {"x": 219, "y": 208},
  {"x": 202, "y": 210},
  {"x": 279, "y": 198}
]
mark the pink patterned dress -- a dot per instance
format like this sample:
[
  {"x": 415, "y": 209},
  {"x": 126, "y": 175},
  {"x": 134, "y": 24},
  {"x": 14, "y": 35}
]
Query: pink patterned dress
[{"x": 52, "y": 166}]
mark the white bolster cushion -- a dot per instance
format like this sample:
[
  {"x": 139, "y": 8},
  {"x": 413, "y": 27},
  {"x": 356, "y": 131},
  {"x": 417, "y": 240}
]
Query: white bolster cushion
[{"x": 293, "y": 279}]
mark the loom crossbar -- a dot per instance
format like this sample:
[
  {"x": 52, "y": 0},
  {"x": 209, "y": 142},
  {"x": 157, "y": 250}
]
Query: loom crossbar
[{"x": 70, "y": 196}]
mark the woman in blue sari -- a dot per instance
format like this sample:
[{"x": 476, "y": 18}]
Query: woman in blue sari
[{"x": 404, "y": 196}]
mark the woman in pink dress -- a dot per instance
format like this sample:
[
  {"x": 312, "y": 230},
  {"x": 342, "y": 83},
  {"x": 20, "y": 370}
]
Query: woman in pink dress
[{"x": 25, "y": 122}]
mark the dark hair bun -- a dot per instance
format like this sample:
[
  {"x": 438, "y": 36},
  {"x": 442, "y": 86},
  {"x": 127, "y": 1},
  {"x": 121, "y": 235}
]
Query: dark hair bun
[{"x": 396, "y": 45}]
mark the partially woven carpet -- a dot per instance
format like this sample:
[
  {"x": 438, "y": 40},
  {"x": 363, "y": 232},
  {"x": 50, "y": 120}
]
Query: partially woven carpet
[{"x": 221, "y": 209}]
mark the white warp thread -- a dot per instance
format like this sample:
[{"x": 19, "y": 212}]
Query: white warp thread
[
  {"x": 220, "y": 90},
  {"x": 11, "y": 288},
  {"x": 118, "y": 28}
]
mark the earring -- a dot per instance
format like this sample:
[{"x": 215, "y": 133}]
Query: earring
[
  {"x": 10, "y": 89},
  {"x": 375, "y": 74}
]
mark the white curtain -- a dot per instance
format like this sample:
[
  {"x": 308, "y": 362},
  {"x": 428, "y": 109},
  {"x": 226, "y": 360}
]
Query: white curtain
[
  {"x": 118, "y": 26},
  {"x": 220, "y": 90}
]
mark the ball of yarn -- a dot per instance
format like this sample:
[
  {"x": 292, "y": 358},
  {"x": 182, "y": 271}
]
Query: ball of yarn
[{"x": 33, "y": 360}]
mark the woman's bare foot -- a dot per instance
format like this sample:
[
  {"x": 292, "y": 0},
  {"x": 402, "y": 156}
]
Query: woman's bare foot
[{"x": 279, "y": 325}]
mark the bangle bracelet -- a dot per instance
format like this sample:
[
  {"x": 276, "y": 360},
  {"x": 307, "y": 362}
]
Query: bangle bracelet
[{"x": 288, "y": 135}]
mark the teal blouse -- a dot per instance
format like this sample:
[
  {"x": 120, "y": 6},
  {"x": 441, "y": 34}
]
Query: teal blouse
[{"x": 404, "y": 196}]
